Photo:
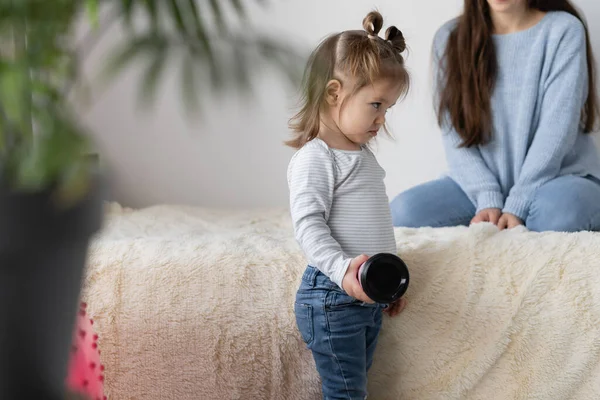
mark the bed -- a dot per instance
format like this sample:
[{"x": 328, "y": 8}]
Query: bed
[{"x": 195, "y": 303}]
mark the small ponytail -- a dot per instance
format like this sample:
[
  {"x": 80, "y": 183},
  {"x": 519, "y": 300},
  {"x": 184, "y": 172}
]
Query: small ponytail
[
  {"x": 372, "y": 24},
  {"x": 395, "y": 38}
]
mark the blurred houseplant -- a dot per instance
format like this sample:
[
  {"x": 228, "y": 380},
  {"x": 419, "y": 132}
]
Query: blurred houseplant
[{"x": 50, "y": 193}]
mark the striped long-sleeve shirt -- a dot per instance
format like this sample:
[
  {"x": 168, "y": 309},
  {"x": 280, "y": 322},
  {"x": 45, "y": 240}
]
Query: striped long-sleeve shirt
[{"x": 339, "y": 206}]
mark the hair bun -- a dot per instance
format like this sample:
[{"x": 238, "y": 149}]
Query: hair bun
[
  {"x": 395, "y": 37},
  {"x": 373, "y": 23}
]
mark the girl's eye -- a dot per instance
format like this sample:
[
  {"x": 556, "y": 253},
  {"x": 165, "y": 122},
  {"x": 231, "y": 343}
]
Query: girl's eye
[{"x": 376, "y": 105}]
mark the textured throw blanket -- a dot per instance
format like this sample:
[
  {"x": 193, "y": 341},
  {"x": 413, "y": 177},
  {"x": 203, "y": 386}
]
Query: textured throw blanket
[{"x": 192, "y": 303}]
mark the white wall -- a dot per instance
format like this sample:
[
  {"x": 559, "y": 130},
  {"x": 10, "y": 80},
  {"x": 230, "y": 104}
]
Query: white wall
[{"x": 234, "y": 156}]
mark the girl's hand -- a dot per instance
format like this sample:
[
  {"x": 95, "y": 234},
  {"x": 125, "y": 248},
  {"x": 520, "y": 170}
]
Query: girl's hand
[
  {"x": 488, "y": 215},
  {"x": 396, "y": 307},
  {"x": 350, "y": 282},
  {"x": 509, "y": 221}
]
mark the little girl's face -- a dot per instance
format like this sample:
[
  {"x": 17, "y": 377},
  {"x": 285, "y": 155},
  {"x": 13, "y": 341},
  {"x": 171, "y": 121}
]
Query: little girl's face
[{"x": 361, "y": 116}]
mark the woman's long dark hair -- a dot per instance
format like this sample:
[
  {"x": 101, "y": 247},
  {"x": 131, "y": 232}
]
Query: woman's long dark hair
[{"x": 471, "y": 69}]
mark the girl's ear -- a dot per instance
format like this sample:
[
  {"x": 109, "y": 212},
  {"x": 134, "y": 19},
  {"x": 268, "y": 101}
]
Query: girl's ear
[{"x": 333, "y": 92}]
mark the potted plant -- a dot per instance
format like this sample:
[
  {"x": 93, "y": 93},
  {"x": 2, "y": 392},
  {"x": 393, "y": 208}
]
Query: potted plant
[{"x": 51, "y": 191}]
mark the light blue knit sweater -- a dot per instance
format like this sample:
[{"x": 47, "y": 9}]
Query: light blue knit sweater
[{"x": 541, "y": 88}]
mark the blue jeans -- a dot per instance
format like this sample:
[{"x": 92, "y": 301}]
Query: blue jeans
[
  {"x": 565, "y": 204},
  {"x": 340, "y": 331}
]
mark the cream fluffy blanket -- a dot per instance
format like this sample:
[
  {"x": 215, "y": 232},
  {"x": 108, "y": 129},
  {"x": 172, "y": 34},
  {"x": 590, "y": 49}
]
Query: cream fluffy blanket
[{"x": 193, "y": 303}]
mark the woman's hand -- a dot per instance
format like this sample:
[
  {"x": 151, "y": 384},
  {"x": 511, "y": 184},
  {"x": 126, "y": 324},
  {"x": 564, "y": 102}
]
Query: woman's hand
[
  {"x": 509, "y": 221},
  {"x": 488, "y": 215},
  {"x": 350, "y": 282}
]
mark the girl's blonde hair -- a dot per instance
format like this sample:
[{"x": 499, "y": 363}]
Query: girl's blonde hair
[{"x": 360, "y": 55}]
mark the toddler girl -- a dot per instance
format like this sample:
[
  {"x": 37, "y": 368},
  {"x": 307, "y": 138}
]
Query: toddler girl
[{"x": 339, "y": 207}]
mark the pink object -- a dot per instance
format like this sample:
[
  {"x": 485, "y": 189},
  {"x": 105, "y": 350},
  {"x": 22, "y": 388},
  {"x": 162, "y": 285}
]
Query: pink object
[{"x": 86, "y": 373}]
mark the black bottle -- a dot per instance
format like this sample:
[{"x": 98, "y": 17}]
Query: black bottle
[{"x": 384, "y": 277}]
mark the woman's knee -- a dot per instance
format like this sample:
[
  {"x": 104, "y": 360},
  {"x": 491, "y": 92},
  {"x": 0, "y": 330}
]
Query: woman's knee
[
  {"x": 570, "y": 221},
  {"x": 567, "y": 204},
  {"x": 549, "y": 218}
]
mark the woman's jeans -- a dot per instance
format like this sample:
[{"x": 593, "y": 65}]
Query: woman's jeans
[
  {"x": 340, "y": 331},
  {"x": 565, "y": 204}
]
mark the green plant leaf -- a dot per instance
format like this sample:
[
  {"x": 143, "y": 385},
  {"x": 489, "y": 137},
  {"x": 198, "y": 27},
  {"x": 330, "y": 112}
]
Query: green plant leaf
[
  {"x": 93, "y": 12},
  {"x": 177, "y": 17},
  {"x": 189, "y": 85},
  {"x": 127, "y": 7},
  {"x": 217, "y": 13},
  {"x": 130, "y": 50},
  {"x": 152, "y": 11},
  {"x": 199, "y": 32},
  {"x": 14, "y": 96},
  {"x": 239, "y": 7},
  {"x": 152, "y": 75}
]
